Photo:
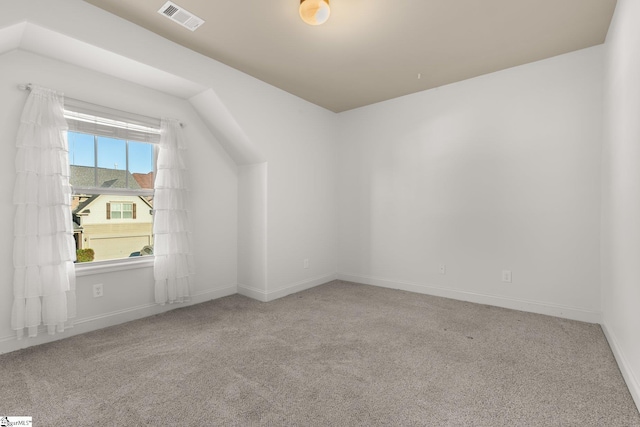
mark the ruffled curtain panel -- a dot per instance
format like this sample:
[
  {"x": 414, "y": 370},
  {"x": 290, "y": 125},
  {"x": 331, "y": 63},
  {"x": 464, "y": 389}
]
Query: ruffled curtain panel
[
  {"x": 44, "y": 249},
  {"x": 173, "y": 263}
]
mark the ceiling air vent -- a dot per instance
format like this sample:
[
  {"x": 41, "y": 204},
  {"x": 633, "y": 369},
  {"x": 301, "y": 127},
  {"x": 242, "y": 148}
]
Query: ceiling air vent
[{"x": 181, "y": 16}]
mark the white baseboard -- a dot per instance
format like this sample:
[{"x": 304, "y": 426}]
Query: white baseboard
[
  {"x": 633, "y": 384},
  {"x": 556, "y": 310},
  {"x": 92, "y": 323},
  {"x": 253, "y": 293},
  {"x": 266, "y": 296},
  {"x": 211, "y": 294},
  {"x": 300, "y": 286}
]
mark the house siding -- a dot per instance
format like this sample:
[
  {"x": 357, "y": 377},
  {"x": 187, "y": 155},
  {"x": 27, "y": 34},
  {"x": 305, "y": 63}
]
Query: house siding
[{"x": 112, "y": 238}]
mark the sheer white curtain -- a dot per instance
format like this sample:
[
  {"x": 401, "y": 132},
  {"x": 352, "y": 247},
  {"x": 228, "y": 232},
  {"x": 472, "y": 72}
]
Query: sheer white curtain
[
  {"x": 173, "y": 264},
  {"x": 44, "y": 249}
]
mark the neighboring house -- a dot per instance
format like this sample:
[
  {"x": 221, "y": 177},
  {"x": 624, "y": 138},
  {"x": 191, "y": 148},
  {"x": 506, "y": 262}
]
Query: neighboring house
[
  {"x": 144, "y": 180},
  {"x": 114, "y": 226}
]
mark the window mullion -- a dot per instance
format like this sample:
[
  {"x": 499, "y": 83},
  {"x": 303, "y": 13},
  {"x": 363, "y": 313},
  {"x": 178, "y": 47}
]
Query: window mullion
[
  {"x": 126, "y": 163},
  {"x": 95, "y": 160},
  {"x": 98, "y": 184}
]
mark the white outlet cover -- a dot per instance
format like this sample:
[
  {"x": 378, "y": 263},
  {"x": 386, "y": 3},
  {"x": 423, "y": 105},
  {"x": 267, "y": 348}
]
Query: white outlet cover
[{"x": 98, "y": 290}]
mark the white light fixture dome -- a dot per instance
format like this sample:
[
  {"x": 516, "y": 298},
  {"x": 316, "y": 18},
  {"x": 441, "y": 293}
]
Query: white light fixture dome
[{"x": 314, "y": 12}]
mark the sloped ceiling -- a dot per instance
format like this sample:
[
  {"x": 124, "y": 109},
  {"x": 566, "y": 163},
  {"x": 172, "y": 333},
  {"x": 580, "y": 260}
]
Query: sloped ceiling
[{"x": 40, "y": 40}]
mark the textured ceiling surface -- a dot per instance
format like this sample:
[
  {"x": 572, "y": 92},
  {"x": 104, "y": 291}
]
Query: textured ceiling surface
[{"x": 373, "y": 50}]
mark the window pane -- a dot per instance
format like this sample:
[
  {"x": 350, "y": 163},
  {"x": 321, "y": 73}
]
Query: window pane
[
  {"x": 112, "y": 163},
  {"x": 81, "y": 159},
  {"x": 127, "y": 210},
  {"x": 141, "y": 165},
  {"x": 113, "y": 236},
  {"x": 81, "y": 149},
  {"x": 104, "y": 224}
]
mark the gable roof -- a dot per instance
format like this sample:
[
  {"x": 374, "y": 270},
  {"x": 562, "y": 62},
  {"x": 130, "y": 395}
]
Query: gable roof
[
  {"x": 144, "y": 180},
  {"x": 85, "y": 204},
  {"x": 78, "y": 209},
  {"x": 87, "y": 176}
]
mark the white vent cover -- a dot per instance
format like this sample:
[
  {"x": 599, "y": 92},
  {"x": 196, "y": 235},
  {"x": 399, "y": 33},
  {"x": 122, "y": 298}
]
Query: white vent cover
[{"x": 181, "y": 16}]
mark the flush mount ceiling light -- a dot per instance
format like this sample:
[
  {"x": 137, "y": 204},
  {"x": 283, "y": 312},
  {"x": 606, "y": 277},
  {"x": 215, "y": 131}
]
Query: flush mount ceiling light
[{"x": 314, "y": 12}]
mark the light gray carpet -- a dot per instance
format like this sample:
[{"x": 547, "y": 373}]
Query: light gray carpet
[{"x": 340, "y": 354}]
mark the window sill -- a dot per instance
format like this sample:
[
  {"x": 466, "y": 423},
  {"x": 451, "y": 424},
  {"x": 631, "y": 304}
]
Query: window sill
[{"x": 99, "y": 267}]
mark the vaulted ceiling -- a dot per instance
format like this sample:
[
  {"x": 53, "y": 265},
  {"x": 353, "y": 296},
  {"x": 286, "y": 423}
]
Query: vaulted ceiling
[{"x": 373, "y": 50}]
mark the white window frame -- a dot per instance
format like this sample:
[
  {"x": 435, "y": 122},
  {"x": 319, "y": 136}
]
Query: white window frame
[
  {"x": 87, "y": 118},
  {"x": 122, "y": 209}
]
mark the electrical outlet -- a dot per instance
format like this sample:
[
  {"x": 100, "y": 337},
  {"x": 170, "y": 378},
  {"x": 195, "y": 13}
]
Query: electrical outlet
[
  {"x": 443, "y": 269},
  {"x": 97, "y": 290},
  {"x": 305, "y": 263},
  {"x": 506, "y": 276}
]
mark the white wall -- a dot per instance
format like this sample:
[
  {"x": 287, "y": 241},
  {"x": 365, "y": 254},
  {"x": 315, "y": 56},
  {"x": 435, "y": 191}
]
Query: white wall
[
  {"x": 252, "y": 230},
  {"x": 500, "y": 172},
  {"x": 292, "y": 194},
  {"x": 302, "y": 215},
  {"x": 497, "y": 172},
  {"x": 621, "y": 193},
  {"x": 296, "y": 138},
  {"x": 127, "y": 294}
]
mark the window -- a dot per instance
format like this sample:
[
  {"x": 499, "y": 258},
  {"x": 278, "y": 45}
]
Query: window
[
  {"x": 112, "y": 164},
  {"x": 121, "y": 210}
]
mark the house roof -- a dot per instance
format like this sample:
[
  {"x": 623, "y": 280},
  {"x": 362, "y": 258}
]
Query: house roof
[
  {"x": 81, "y": 206},
  {"x": 85, "y": 176},
  {"x": 85, "y": 204},
  {"x": 144, "y": 180}
]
